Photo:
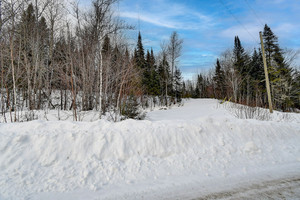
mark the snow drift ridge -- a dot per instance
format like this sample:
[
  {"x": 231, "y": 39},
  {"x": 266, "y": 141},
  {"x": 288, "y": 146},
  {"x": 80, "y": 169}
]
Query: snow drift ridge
[{"x": 38, "y": 157}]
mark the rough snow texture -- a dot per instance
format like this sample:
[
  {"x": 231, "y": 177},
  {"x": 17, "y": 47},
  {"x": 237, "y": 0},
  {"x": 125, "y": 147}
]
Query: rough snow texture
[{"x": 198, "y": 147}]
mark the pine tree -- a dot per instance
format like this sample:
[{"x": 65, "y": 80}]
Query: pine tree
[
  {"x": 196, "y": 93},
  {"x": 43, "y": 37},
  {"x": 295, "y": 90},
  {"x": 241, "y": 67},
  {"x": 257, "y": 70},
  {"x": 154, "y": 76},
  {"x": 152, "y": 59},
  {"x": 106, "y": 48},
  {"x": 239, "y": 56},
  {"x": 258, "y": 85},
  {"x": 270, "y": 44},
  {"x": 177, "y": 81},
  {"x": 164, "y": 76},
  {"x": 280, "y": 72},
  {"x": 219, "y": 80},
  {"x": 27, "y": 30},
  {"x": 201, "y": 83},
  {"x": 131, "y": 109},
  {"x": 147, "y": 73},
  {"x": 183, "y": 90},
  {"x": 140, "y": 54},
  {"x": 135, "y": 57}
]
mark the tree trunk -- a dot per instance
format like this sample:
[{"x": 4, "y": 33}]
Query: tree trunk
[
  {"x": 100, "y": 79},
  {"x": 13, "y": 73}
]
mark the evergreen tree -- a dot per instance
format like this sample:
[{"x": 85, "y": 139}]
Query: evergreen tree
[
  {"x": 257, "y": 74},
  {"x": 219, "y": 79},
  {"x": 270, "y": 44},
  {"x": 240, "y": 56},
  {"x": 183, "y": 90},
  {"x": 27, "y": 31},
  {"x": 280, "y": 72},
  {"x": 295, "y": 91},
  {"x": 140, "y": 54},
  {"x": 164, "y": 75},
  {"x": 106, "y": 48},
  {"x": 147, "y": 73},
  {"x": 135, "y": 57},
  {"x": 43, "y": 37},
  {"x": 131, "y": 109},
  {"x": 241, "y": 67},
  {"x": 152, "y": 58},
  {"x": 154, "y": 76},
  {"x": 202, "y": 86},
  {"x": 32, "y": 32},
  {"x": 177, "y": 81},
  {"x": 115, "y": 59},
  {"x": 257, "y": 70},
  {"x": 196, "y": 93}
]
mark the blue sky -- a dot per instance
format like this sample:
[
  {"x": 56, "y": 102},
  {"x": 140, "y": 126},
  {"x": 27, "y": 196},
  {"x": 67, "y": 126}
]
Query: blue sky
[{"x": 208, "y": 27}]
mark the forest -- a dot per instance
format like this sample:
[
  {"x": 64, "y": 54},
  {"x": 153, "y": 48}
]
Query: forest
[
  {"x": 239, "y": 76},
  {"x": 85, "y": 62}
]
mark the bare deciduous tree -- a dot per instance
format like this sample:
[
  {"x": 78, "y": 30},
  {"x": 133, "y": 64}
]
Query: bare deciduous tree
[{"x": 174, "y": 50}]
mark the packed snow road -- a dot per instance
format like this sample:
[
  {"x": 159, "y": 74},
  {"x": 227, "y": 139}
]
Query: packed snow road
[{"x": 185, "y": 152}]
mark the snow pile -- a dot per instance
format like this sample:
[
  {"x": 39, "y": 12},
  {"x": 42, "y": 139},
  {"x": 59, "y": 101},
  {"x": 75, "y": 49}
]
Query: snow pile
[{"x": 194, "y": 144}]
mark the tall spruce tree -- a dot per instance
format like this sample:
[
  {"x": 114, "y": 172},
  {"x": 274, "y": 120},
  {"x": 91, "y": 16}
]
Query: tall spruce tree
[
  {"x": 280, "y": 72},
  {"x": 140, "y": 54},
  {"x": 257, "y": 70},
  {"x": 241, "y": 67},
  {"x": 239, "y": 56},
  {"x": 27, "y": 31},
  {"x": 258, "y": 85},
  {"x": 270, "y": 44},
  {"x": 219, "y": 79},
  {"x": 147, "y": 73},
  {"x": 154, "y": 76},
  {"x": 177, "y": 83}
]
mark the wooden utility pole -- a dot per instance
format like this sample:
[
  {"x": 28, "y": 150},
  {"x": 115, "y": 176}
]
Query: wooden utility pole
[{"x": 266, "y": 73}]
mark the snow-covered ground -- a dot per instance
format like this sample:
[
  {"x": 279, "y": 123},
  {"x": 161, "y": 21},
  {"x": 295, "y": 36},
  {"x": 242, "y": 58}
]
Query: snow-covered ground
[{"x": 181, "y": 153}]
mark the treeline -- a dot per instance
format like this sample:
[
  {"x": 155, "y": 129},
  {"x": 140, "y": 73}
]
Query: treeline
[
  {"x": 47, "y": 62},
  {"x": 239, "y": 76},
  {"x": 84, "y": 62}
]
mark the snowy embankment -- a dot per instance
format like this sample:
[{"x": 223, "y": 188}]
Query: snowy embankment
[{"x": 193, "y": 150}]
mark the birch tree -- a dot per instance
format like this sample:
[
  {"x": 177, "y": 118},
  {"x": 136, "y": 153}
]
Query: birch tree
[{"x": 174, "y": 51}]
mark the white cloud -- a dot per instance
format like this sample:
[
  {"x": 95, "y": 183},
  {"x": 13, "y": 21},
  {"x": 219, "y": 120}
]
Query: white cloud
[
  {"x": 147, "y": 18},
  {"x": 169, "y": 15},
  {"x": 285, "y": 28},
  {"x": 167, "y": 21}
]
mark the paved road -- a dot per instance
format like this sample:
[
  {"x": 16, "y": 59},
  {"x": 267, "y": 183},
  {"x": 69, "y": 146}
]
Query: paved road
[{"x": 288, "y": 189}]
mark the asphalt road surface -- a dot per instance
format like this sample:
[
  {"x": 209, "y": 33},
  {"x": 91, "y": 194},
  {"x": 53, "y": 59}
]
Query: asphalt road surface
[{"x": 288, "y": 189}]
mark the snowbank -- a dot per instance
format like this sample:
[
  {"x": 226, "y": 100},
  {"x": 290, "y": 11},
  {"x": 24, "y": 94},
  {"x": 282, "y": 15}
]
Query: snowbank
[{"x": 198, "y": 143}]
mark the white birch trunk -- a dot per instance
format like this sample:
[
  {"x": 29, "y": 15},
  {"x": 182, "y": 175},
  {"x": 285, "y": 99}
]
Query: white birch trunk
[
  {"x": 100, "y": 79},
  {"x": 13, "y": 75}
]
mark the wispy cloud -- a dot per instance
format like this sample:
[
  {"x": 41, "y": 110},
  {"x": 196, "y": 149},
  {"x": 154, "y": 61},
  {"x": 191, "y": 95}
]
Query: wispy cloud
[
  {"x": 150, "y": 19},
  {"x": 169, "y": 15},
  {"x": 286, "y": 28}
]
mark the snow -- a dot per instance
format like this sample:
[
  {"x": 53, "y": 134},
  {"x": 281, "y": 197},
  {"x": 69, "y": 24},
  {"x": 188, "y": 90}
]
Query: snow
[{"x": 183, "y": 152}]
